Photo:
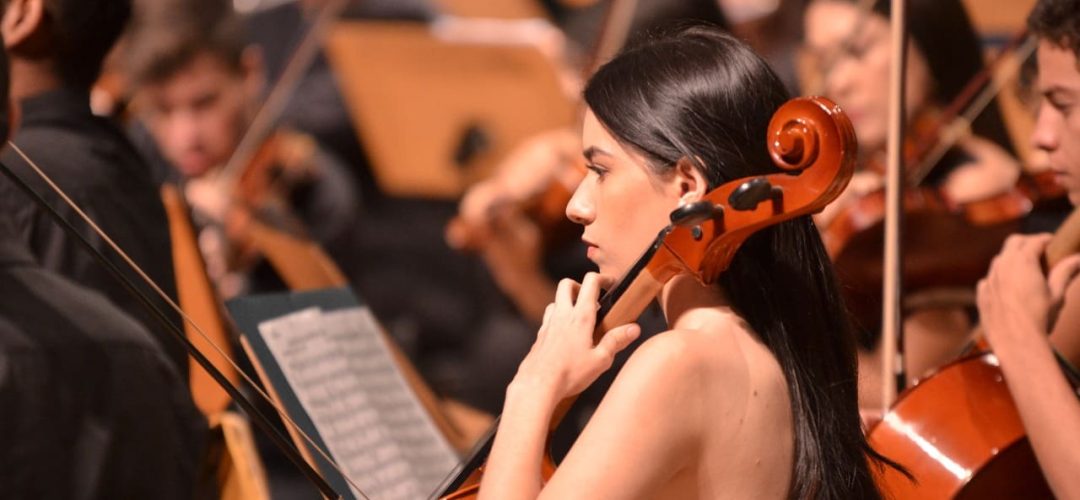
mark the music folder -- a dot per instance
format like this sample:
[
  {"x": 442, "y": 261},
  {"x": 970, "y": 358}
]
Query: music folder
[{"x": 324, "y": 359}]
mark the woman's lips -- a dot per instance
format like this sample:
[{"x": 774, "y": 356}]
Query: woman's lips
[{"x": 591, "y": 249}]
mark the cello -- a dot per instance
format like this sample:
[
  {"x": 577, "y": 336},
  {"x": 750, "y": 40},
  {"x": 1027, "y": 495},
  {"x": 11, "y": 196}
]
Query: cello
[
  {"x": 813, "y": 144},
  {"x": 958, "y": 431}
]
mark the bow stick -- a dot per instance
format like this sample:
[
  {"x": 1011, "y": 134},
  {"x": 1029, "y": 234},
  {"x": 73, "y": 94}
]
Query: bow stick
[{"x": 260, "y": 419}]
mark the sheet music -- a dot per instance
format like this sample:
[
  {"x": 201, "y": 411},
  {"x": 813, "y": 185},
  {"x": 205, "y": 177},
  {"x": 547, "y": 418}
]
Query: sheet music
[{"x": 343, "y": 374}]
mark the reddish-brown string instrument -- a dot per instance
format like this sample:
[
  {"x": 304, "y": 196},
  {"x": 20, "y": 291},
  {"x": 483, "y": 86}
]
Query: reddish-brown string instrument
[
  {"x": 854, "y": 237},
  {"x": 978, "y": 228},
  {"x": 547, "y": 206},
  {"x": 813, "y": 144},
  {"x": 958, "y": 431}
]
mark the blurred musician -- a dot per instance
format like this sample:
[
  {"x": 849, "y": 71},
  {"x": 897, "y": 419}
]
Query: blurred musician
[
  {"x": 317, "y": 107},
  {"x": 90, "y": 405},
  {"x": 1018, "y": 304},
  {"x": 197, "y": 86},
  {"x": 851, "y": 49},
  {"x": 56, "y": 48}
]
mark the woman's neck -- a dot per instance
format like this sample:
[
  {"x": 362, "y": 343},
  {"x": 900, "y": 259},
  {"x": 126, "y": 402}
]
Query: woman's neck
[{"x": 688, "y": 304}]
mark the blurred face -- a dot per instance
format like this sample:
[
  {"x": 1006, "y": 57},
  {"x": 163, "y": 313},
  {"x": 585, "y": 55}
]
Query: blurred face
[
  {"x": 621, "y": 203},
  {"x": 1057, "y": 129},
  {"x": 854, "y": 56},
  {"x": 198, "y": 115}
]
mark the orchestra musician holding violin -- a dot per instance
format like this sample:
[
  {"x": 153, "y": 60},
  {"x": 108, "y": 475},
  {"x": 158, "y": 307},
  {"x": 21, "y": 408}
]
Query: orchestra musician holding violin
[
  {"x": 1028, "y": 315},
  {"x": 56, "y": 48},
  {"x": 752, "y": 392},
  {"x": 849, "y": 46},
  {"x": 197, "y": 86}
]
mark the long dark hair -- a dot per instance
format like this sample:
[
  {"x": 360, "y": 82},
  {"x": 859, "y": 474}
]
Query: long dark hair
[
  {"x": 944, "y": 35},
  {"x": 702, "y": 95}
]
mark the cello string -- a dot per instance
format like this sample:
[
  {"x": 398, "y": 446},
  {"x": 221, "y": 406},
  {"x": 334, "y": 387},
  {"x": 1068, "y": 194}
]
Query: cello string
[{"x": 176, "y": 308}]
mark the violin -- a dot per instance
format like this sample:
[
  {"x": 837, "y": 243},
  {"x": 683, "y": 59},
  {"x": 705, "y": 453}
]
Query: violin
[
  {"x": 854, "y": 235},
  {"x": 238, "y": 209},
  {"x": 958, "y": 431},
  {"x": 813, "y": 144},
  {"x": 853, "y": 239},
  {"x": 547, "y": 203},
  {"x": 546, "y": 208}
]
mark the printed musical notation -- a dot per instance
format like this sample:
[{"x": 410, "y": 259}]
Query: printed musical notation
[{"x": 341, "y": 370}]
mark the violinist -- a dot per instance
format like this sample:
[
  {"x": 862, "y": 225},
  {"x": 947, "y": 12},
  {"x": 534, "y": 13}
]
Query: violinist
[
  {"x": 197, "y": 86},
  {"x": 1026, "y": 315},
  {"x": 752, "y": 392},
  {"x": 90, "y": 405},
  {"x": 851, "y": 50},
  {"x": 317, "y": 106},
  {"x": 56, "y": 48}
]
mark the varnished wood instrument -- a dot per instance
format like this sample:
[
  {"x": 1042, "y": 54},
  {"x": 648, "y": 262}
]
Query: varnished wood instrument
[
  {"x": 958, "y": 431},
  {"x": 813, "y": 145}
]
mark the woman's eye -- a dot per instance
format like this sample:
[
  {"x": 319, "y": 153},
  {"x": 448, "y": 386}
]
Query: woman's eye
[
  {"x": 596, "y": 169},
  {"x": 855, "y": 50}
]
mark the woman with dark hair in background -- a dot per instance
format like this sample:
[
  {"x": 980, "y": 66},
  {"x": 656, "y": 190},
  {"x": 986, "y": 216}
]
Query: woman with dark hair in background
[
  {"x": 753, "y": 390},
  {"x": 852, "y": 52}
]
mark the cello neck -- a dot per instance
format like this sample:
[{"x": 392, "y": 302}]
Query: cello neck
[{"x": 627, "y": 300}]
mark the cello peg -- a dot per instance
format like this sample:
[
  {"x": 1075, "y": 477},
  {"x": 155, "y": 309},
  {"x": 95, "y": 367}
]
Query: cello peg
[
  {"x": 752, "y": 192},
  {"x": 692, "y": 214}
]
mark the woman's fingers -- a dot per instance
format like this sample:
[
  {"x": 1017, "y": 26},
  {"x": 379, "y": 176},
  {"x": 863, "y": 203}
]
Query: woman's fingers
[
  {"x": 588, "y": 294},
  {"x": 566, "y": 293},
  {"x": 617, "y": 339}
]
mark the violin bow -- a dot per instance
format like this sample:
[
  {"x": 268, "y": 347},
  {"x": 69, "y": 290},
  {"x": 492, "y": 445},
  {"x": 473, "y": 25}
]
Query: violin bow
[
  {"x": 892, "y": 365},
  {"x": 957, "y": 119},
  {"x": 267, "y": 115},
  {"x": 260, "y": 419}
]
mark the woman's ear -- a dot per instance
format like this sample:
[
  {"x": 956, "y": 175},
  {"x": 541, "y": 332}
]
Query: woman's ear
[
  {"x": 690, "y": 181},
  {"x": 22, "y": 19}
]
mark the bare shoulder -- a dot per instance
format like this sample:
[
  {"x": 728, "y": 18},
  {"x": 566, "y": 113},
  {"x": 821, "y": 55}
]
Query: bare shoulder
[
  {"x": 682, "y": 413},
  {"x": 720, "y": 347},
  {"x": 721, "y": 360}
]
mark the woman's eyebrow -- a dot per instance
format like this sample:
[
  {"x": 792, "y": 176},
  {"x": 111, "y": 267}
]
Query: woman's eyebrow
[{"x": 592, "y": 151}]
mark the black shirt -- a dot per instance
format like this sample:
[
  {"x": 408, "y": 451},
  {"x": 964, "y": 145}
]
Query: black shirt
[
  {"x": 92, "y": 161},
  {"x": 90, "y": 406}
]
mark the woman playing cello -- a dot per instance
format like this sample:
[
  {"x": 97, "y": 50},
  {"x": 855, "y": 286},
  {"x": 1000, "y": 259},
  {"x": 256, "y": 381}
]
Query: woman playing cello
[{"x": 752, "y": 392}]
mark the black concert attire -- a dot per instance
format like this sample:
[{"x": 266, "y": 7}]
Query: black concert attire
[
  {"x": 91, "y": 406},
  {"x": 93, "y": 162}
]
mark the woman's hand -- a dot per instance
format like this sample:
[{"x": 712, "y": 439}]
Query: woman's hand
[
  {"x": 1015, "y": 297},
  {"x": 564, "y": 359}
]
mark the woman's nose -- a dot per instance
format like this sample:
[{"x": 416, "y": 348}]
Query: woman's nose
[{"x": 581, "y": 210}]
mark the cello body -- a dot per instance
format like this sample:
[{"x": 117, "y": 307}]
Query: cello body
[{"x": 959, "y": 435}]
